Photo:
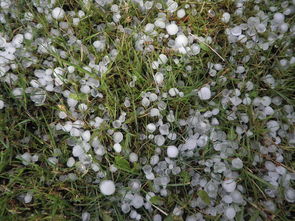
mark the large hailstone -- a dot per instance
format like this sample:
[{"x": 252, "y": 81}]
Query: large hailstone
[
  {"x": 172, "y": 151},
  {"x": 181, "y": 41},
  {"x": 58, "y": 13},
  {"x": 204, "y": 93},
  {"x": 230, "y": 213},
  {"x": 229, "y": 185},
  {"x": 172, "y": 29},
  {"x": 107, "y": 187}
]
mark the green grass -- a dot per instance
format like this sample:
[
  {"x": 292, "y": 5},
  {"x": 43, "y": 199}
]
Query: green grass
[{"x": 56, "y": 200}]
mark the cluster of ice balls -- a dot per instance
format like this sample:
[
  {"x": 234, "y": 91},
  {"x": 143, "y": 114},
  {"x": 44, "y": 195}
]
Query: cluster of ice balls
[{"x": 222, "y": 176}]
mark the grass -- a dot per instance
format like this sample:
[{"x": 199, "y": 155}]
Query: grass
[{"x": 57, "y": 200}]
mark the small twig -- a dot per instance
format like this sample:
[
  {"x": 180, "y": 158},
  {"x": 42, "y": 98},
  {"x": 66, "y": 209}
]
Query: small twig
[
  {"x": 210, "y": 48},
  {"x": 162, "y": 211}
]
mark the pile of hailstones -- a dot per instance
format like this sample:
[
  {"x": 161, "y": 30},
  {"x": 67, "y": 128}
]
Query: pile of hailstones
[{"x": 220, "y": 174}]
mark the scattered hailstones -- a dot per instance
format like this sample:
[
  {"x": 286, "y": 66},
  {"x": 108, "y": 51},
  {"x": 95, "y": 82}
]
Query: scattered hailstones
[
  {"x": 201, "y": 126},
  {"x": 107, "y": 187}
]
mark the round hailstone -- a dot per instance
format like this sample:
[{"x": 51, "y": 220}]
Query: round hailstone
[
  {"x": 85, "y": 216},
  {"x": 107, "y": 187},
  {"x": 172, "y": 151},
  {"x": 1, "y": 104},
  {"x": 28, "y": 197},
  {"x": 237, "y": 163},
  {"x": 151, "y": 127},
  {"x": 230, "y": 213},
  {"x": 133, "y": 157},
  {"x": 181, "y": 41},
  {"x": 279, "y": 18},
  {"x": 70, "y": 162},
  {"x": 162, "y": 59},
  {"x": 173, "y": 92},
  {"x": 117, "y": 137},
  {"x": 204, "y": 93},
  {"x": 180, "y": 13},
  {"x": 172, "y": 29},
  {"x": 58, "y": 13},
  {"x": 117, "y": 147},
  {"x": 229, "y": 185},
  {"x": 290, "y": 195},
  {"x": 225, "y": 17},
  {"x": 159, "y": 78},
  {"x": 236, "y": 31}
]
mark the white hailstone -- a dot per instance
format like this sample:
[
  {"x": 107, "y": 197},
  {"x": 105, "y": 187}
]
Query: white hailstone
[
  {"x": 151, "y": 127},
  {"x": 28, "y": 197},
  {"x": 117, "y": 137},
  {"x": 76, "y": 21},
  {"x": 70, "y": 162},
  {"x": 149, "y": 28},
  {"x": 236, "y": 31},
  {"x": 162, "y": 59},
  {"x": 26, "y": 158},
  {"x": 133, "y": 157},
  {"x": 172, "y": 151},
  {"x": 28, "y": 36},
  {"x": 272, "y": 125},
  {"x": 117, "y": 147},
  {"x": 266, "y": 101},
  {"x": 58, "y": 13},
  {"x": 82, "y": 107},
  {"x": 172, "y": 29},
  {"x": 72, "y": 102},
  {"x": 173, "y": 92},
  {"x": 145, "y": 102},
  {"x": 85, "y": 216},
  {"x": 235, "y": 100},
  {"x": 290, "y": 195},
  {"x": 35, "y": 158},
  {"x": 160, "y": 23},
  {"x": 137, "y": 201},
  {"x": 155, "y": 65},
  {"x": 159, "y": 140},
  {"x": 71, "y": 69},
  {"x": 1, "y": 104},
  {"x": 99, "y": 45},
  {"x": 107, "y": 187},
  {"x": 154, "y": 160},
  {"x": 237, "y": 163},
  {"x": 77, "y": 151},
  {"x": 279, "y": 18},
  {"x": 159, "y": 78},
  {"x": 230, "y": 213},
  {"x": 61, "y": 114},
  {"x": 268, "y": 110},
  {"x": 225, "y": 17},
  {"x": 86, "y": 135},
  {"x": 181, "y": 41},
  {"x": 171, "y": 6},
  {"x": 157, "y": 217},
  {"x": 204, "y": 93},
  {"x": 195, "y": 48},
  {"x": 154, "y": 112},
  {"x": 229, "y": 185},
  {"x": 180, "y": 13}
]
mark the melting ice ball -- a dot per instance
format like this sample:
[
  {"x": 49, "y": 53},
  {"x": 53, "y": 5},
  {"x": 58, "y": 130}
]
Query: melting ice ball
[{"x": 107, "y": 187}]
